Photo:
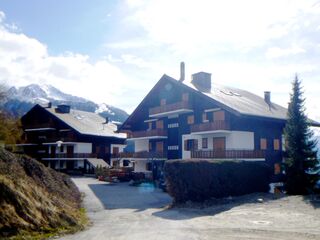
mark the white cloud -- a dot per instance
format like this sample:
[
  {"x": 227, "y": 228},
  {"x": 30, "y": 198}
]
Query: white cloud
[
  {"x": 188, "y": 25},
  {"x": 25, "y": 60},
  {"x": 276, "y": 52}
]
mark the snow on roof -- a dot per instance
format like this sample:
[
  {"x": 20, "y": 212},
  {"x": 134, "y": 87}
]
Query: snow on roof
[
  {"x": 88, "y": 123},
  {"x": 244, "y": 102}
]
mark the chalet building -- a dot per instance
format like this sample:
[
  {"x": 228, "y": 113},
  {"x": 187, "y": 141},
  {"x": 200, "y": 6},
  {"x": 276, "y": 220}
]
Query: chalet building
[
  {"x": 199, "y": 119},
  {"x": 69, "y": 140}
]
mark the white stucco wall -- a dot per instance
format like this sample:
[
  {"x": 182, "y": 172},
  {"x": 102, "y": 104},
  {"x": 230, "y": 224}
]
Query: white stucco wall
[
  {"x": 140, "y": 166},
  {"x": 83, "y": 148},
  {"x": 237, "y": 140},
  {"x": 240, "y": 140},
  {"x": 141, "y": 145}
]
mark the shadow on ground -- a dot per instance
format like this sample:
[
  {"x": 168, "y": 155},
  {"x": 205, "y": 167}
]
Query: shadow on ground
[
  {"x": 123, "y": 196},
  {"x": 313, "y": 200},
  {"x": 214, "y": 206}
]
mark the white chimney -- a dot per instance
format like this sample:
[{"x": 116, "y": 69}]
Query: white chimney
[{"x": 182, "y": 72}]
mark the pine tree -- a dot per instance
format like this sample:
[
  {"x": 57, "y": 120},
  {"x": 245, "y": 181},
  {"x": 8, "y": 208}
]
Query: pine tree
[{"x": 301, "y": 154}]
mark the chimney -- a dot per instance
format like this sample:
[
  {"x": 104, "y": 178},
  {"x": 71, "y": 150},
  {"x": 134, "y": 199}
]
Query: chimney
[
  {"x": 202, "y": 81},
  {"x": 182, "y": 72},
  {"x": 267, "y": 97},
  {"x": 49, "y": 104},
  {"x": 63, "y": 108}
]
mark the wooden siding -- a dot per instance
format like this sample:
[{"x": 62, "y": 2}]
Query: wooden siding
[
  {"x": 211, "y": 126},
  {"x": 149, "y": 133},
  {"x": 143, "y": 154},
  {"x": 169, "y": 107}
]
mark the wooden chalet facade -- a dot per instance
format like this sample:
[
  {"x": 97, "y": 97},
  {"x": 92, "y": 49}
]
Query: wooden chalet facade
[
  {"x": 201, "y": 120},
  {"x": 69, "y": 140}
]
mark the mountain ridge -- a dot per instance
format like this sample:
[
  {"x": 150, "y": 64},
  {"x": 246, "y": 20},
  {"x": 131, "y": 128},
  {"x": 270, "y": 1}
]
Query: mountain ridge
[{"x": 20, "y": 100}]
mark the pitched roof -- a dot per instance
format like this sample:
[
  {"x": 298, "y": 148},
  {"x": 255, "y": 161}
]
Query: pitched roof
[
  {"x": 243, "y": 102},
  {"x": 87, "y": 123},
  {"x": 236, "y": 100}
]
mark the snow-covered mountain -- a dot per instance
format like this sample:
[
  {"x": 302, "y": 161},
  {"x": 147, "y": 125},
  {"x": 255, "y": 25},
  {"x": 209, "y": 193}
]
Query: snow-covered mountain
[{"x": 22, "y": 99}]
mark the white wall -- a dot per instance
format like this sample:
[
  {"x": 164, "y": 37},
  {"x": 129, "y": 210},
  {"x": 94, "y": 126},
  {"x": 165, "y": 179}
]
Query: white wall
[
  {"x": 140, "y": 166},
  {"x": 141, "y": 145},
  {"x": 237, "y": 140},
  {"x": 240, "y": 140},
  {"x": 83, "y": 148}
]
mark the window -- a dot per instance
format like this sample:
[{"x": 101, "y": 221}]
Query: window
[
  {"x": 204, "y": 142},
  {"x": 174, "y": 147},
  {"x": 218, "y": 116},
  {"x": 277, "y": 168},
  {"x": 185, "y": 97},
  {"x": 173, "y": 125},
  {"x": 191, "y": 144},
  {"x": 159, "y": 124},
  {"x": 61, "y": 149},
  {"x": 159, "y": 146},
  {"x": 190, "y": 119},
  {"x": 263, "y": 143},
  {"x": 149, "y": 125},
  {"x": 115, "y": 150},
  {"x": 204, "y": 117},
  {"x": 150, "y": 146},
  {"x": 163, "y": 102},
  {"x": 276, "y": 144}
]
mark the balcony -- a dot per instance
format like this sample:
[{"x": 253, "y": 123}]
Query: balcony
[
  {"x": 170, "y": 109},
  {"x": 228, "y": 154},
  {"x": 210, "y": 126},
  {"x": 148, "y": 134},
  {"x": 144, "y": 154},
  {"x": 69, "y": 156}
]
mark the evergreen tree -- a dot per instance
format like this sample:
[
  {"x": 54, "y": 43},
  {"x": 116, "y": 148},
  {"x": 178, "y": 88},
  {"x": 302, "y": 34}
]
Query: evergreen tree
[{"x": 300, "y": 146}]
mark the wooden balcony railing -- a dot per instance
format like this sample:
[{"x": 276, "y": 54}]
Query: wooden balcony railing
[
  {"x": 210, "y": 126},
  {"x": 170, "y": 107},
  {"x": 223, "y": 154},
  {"x": 71, "y": 155},
  {"x": 149, "y": 133},
  {"x": 143, "y": 154}
]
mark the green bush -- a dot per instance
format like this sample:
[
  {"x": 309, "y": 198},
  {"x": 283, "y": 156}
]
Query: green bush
[{"x": 198, "y": 180}]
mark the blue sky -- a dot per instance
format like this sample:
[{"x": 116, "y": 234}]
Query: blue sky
[{"x": 115, "y": 51}]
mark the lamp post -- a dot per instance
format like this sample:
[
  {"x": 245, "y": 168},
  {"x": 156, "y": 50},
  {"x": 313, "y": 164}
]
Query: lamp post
[{"x": 59, "y": 144}]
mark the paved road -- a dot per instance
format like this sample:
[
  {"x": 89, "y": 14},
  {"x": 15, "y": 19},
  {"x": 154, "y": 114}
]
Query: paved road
[{"x": 122, "y": 212}]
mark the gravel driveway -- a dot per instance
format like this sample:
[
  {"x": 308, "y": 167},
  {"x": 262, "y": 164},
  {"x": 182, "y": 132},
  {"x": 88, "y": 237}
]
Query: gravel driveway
[{"x": 119, "y": 211}]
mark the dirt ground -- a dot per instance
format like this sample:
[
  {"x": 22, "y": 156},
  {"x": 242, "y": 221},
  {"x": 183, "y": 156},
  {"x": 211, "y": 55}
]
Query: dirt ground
[{"x": 120, "y": 211}]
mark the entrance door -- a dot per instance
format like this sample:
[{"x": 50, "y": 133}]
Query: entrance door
[{"x": 219, "y": 147}]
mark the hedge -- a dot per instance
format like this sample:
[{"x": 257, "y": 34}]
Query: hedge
[{"x": 199, "y": 180}]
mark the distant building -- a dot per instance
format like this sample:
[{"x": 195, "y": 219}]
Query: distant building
[
  {"x": 69, "y": 140},
  {"x": 202, "y": 120}
]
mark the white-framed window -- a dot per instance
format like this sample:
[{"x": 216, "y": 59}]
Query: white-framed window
[
  {"x": 173, "y": 125},
  {"x": 174, "y": 147}
]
